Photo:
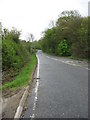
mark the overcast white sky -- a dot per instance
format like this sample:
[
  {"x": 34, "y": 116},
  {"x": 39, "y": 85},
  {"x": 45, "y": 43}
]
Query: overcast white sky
[{"x": 34, "y": 16}]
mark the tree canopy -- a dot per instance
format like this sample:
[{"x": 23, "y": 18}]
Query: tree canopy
[{"x": 69, "y": 33}]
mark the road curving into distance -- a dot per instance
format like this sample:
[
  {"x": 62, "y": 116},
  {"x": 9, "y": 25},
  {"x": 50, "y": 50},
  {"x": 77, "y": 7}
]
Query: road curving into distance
[{"x": 61, "y": 91}]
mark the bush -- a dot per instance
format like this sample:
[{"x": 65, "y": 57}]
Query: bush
[
  {"x": 63, "y": 49},
  {"x": 14, "y": 35},
  {"x": 14, "y": 52}
]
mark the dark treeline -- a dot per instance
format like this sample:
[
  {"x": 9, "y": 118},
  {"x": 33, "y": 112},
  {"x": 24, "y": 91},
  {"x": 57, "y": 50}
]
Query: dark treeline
[{"x": 69, "y": 37}]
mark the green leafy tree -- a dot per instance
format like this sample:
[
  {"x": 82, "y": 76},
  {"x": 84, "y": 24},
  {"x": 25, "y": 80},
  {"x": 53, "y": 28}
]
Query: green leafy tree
[{"x": 72, "y": 27}]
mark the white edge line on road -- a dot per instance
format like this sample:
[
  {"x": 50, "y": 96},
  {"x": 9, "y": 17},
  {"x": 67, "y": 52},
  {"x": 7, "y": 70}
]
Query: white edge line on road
[
  {"x": 36, "y": 90},
  {"x": 65, "y": 62}
]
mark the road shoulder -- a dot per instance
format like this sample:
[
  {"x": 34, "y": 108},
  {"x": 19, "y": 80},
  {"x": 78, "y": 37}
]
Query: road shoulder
[{"x": 10, "y": 104}]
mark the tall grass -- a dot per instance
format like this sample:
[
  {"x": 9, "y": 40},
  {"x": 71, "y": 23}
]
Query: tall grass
[{"x": 23, "y": 78}]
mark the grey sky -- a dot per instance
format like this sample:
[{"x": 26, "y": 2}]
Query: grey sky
[{"x": 34, "y": 16}]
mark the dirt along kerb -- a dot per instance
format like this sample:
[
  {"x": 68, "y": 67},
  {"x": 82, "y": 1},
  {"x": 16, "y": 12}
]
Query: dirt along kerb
[{"x": 11, "y": 101}]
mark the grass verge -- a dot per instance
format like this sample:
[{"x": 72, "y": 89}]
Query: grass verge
[{"x": 24, "y": 76}]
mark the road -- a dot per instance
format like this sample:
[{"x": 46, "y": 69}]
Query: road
[{"x": 61, "y": 91}]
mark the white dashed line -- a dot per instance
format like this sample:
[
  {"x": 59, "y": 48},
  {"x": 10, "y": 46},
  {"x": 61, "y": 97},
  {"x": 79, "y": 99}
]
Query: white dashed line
[
  {"x": 87, "y": 68},
  {"x": 67, "y": 62}
]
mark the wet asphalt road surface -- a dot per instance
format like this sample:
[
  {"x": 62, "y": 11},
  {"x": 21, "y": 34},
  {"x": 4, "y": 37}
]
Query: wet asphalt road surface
[{"x": 62, "y": 91}]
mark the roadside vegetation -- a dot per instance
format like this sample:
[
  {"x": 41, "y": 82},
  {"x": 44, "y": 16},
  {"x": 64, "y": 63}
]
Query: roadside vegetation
[
  {"x": 18, "y": 59},
  {"x": 68, "y": 36},
  {"x": 23, "y": 77}
]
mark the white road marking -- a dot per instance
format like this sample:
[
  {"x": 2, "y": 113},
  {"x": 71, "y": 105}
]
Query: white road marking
[
  {"x": 87, "y": 68},
  {"x": 66, "y": 62},
  {"x": 47, "y": 56},
  {"x": 33, "y": 116},
  {"x": 36, "y": 90}
]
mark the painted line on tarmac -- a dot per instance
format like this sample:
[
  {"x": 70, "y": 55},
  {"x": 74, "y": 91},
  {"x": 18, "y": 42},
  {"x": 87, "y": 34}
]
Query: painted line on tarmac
[
  {"x": 87, "y": 68},
  {"x": 66, "y": 62},
  {"x": 36, "y": 89}
]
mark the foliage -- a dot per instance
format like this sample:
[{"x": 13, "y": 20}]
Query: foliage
[
  {"x": 36, "y": 45},
  {"x": 63, "y": 49},
  {"x": 15, "y": 54},
  {"x": 24, "y": 76},
  {"x": 12, "y": 54},
  {"x": 13, "y": 34},
  {"x": 73, "y": 28},
  {"x": 48, "y": 42}
]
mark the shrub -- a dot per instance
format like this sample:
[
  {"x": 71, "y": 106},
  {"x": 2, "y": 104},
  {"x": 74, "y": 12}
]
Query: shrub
[
  {"x": 63, "y": 49},
  {"x": 14, "y": 52}
]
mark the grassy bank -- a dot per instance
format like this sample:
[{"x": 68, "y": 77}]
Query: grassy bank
[{"x": 24, "y": 76}]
